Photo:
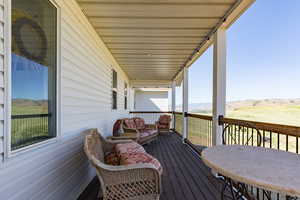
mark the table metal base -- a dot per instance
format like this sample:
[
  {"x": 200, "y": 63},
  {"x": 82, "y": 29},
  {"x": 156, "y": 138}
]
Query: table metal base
[{"x": 233, "y": 190}]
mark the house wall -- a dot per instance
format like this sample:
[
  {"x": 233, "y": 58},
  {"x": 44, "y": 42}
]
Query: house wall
[
  {"x": 59, "y": 169},
  {"x": 1, "y": 80},
  {"x": 151, "y": 101}
]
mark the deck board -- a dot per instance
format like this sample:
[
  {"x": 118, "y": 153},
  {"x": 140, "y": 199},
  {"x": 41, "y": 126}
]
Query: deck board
[{"x": 184, "y": 177}]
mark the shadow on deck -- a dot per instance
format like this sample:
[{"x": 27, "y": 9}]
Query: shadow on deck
[{"x": 185, "y": 176}]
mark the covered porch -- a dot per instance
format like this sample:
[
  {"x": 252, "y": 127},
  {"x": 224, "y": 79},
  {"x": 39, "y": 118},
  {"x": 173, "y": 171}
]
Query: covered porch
[
  {"x": 109, "y": 54},
  {"x": 155, "y": 43}
]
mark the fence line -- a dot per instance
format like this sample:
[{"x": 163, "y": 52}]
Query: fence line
[{"x": 29, "y": 129}]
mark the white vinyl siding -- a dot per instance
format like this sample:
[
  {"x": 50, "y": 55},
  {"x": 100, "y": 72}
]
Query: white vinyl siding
[
  {"x": 1, "y": 80},
  {"x": 60, "y": 170},
  {"x": 151, "y": 101}
]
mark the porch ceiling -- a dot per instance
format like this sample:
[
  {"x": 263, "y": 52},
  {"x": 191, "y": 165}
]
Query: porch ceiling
[{"x": 152, "y": 39}]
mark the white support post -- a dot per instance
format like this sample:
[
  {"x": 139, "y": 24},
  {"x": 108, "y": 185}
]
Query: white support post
[
  {"x": 185, "y": 102},
  {"x": 219, "y": 83},
  {"x": 173, "y": 103}
]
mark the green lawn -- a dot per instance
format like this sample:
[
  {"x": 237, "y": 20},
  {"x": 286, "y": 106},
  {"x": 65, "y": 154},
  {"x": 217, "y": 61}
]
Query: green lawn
[
  {"x": 287, "y": 115},
  {"x": 28, "y": 110},
  {"x": 27, "y": 131}
]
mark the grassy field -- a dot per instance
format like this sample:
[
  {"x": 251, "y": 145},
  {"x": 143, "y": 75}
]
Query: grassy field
[
  {"x": 27, "y": 131},
  {"x": 286, "y": 114},
  {"x": 28, "y": 110}
]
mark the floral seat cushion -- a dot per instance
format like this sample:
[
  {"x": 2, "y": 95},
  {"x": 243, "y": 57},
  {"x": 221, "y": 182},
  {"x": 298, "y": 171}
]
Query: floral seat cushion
[
  {"x": 164, "y": 122},
  {"x": 135, "y": 158},
  {"x": 117, "y": 128},
  {"x": 140, "y": 123},
  {"x": 130, "y": 147},
  {"x": 130, "y": 123},
  {"x": 112, "y": 158}
]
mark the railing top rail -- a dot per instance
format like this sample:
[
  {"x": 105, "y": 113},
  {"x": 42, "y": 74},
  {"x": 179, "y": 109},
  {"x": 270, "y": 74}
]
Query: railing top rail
[
  {"x": 30, "y": 116},
  {"x": 141, "y": 112},
  {"x": 206, "y": 117},
  {"x": 276, "y": 128},
  {"x": 178, "y": 113}
]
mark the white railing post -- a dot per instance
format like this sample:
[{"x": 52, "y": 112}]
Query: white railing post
[
  {"x": 173, "y": 109},
  {"x": 219, "y": 83},
  {"x": 185, "y": 102}
]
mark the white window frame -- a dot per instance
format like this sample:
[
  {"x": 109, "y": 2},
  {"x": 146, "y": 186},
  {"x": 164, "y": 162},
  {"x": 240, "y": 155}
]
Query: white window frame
[{"x": 8, "y": 152}]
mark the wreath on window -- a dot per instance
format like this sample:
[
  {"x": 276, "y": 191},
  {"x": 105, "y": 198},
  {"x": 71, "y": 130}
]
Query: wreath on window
[{"x": 17, "y": 32}]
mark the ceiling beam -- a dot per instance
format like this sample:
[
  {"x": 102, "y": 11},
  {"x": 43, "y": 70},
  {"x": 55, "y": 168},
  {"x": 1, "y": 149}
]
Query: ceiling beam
[
  {"x": 154, "y": 3},
  {"x": 148, "y": 17},
  {"x": 150, "y": 49},
  {"x": 153, "y": 28},
  {"x": 150, "y": 43}
]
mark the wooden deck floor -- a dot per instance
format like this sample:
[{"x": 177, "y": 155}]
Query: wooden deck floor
[{"x": 185, "y": 176}]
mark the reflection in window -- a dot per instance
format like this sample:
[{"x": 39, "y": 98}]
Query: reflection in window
[{"x": 34, "y": 54}]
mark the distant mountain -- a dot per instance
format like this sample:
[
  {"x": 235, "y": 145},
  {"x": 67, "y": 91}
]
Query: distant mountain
[
  {"x": 235, "y": 105},
  {"x": 29, "y": 102}
]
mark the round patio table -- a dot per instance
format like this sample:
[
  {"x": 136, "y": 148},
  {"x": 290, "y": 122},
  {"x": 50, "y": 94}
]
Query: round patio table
[{"x": 268, "y": 169}]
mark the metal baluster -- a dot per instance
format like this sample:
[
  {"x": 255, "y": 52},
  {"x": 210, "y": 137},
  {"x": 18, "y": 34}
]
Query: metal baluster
[
  {"x": 252, "y": 136},
  {"x": 278, "y": 144},
  {"x": 287, "y": 143},
  {"x": 240, "y": 132},
  {"x": 297, "y": 146},
  {"x": 263, "y": 138},
  {"x": 271, "y": 137}
]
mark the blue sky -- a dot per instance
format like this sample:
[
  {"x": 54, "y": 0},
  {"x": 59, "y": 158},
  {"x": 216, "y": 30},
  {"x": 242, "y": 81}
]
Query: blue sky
[
  {"x": 263, "y": 55},
  {"x": 29, "y": 79}
]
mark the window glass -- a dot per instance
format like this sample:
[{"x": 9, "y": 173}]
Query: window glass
[
  {"x": 115, "y": 79},
  {"x": 114, "y": 89},
  {"x": 33, "y": 67},
  {"x": 114, "y": 100},
  {"x": 125, "y": 96}
]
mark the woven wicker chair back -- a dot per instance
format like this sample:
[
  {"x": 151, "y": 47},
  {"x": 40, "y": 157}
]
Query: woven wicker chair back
[{"x": 94, "y": 145}]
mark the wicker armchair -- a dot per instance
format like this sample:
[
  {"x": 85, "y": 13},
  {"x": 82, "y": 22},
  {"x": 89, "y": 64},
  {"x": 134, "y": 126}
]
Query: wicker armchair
[
  {"x": 163, "y": 123},
  {"x": 138, "y": 181}
]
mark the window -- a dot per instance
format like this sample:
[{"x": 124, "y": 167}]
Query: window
[
  {"x": 33, "y": 70},
  {"x": 114, "y": 89},
  {"x": 115, "y": 80},
  {"x": 125, "y": 96},
  {"x": 114, "y": 99}
]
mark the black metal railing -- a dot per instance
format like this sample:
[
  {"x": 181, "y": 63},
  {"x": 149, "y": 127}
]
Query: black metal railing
[
  {"x": 275, "y": 136},
  {"x": 29, "y": 129}
]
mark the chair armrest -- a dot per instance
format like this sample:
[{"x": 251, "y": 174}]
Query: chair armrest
[
  {"x": 122, "y": 138},
  {"x": 130, "y": 130},
  {"x": 111, "y": 142},
  {"x": 116, "y": 140}
]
